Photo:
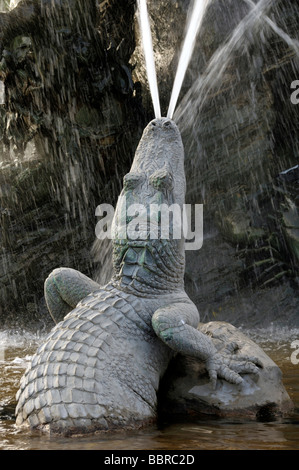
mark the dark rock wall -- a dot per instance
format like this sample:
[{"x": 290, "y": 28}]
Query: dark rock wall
[
  {"x": 248, "y": 136},
  {"x": 69, "y": 93},
  {"x": 75, "y": 105}
]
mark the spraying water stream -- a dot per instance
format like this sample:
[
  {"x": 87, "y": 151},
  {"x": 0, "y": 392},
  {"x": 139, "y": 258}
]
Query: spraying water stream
[
  {"x": 293, "y": 43},
  {"x": 198, "y": 93},
  {"x": 198, "y": 12},
  {"x": 149, "y": 55},
  {"x": 218, "y": 63}
]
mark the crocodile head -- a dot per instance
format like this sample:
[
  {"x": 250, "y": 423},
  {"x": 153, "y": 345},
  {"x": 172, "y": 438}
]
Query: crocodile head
[{"x": 148, "y": 217}]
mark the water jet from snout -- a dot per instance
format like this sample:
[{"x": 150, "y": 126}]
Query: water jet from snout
[
  {"x": 196, "y": 19},
  {"x": 149, "y": 55}
]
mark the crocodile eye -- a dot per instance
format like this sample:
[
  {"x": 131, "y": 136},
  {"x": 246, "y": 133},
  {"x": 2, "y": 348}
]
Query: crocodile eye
[
  {"x": 132, "y": 180},
  {"x": 162, "y": 180}
]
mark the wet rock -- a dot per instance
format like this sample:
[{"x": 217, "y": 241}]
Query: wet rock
[
  {"x": 186, "y": 390},
  {"x": 237, "y": 227}
]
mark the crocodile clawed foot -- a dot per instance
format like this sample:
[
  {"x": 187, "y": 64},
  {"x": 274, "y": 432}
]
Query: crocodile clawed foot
[{"x": 229, "y": 366}]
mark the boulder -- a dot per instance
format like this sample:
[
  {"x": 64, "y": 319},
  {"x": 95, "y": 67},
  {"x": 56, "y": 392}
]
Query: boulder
[{"x": 186, "y": 389}]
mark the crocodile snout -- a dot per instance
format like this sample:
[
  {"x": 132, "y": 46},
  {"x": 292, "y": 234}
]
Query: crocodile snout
[{"x": 161, "y": 123}]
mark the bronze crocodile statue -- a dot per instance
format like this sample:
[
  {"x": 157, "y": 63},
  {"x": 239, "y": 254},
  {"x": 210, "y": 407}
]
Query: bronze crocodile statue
[{"x": 100, "y": 366}]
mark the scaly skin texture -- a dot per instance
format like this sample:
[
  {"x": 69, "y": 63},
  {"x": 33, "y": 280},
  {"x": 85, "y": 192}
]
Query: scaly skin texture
[{"x": 100, "y": 367}]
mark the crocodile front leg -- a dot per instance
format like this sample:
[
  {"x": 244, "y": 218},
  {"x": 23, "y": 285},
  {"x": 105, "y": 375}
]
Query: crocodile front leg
[
  {"x": 64, "y": 289},
  {"x": 176, "y": 325}
]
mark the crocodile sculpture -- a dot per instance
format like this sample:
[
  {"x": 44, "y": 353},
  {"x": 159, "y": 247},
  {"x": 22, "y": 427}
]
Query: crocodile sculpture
[{"x": 100, "y": 366}]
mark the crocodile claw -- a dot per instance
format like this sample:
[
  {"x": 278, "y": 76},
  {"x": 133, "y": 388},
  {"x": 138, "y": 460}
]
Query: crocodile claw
[{"x": 229, "y": 366}]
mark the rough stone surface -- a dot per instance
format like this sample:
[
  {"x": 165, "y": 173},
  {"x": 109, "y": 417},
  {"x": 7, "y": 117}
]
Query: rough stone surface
[
  {"x": 186, "y": 390},
  {"x": 65, "y": 136}
]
